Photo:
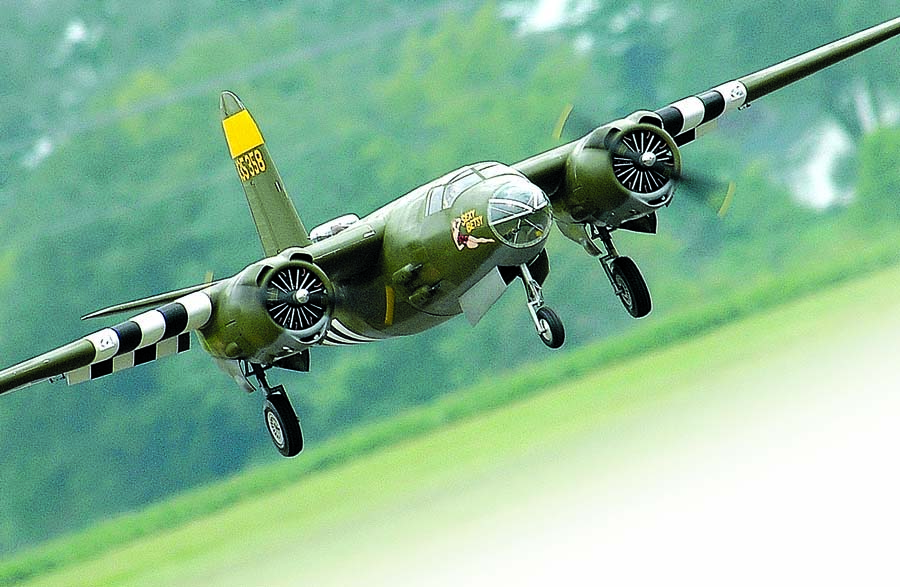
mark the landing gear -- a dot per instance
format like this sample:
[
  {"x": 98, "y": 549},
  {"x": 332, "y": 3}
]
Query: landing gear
[
  {"x": 281, "y": 419},
  {"x": 282, "y": 423},
  {"x": 624, "y": 275},
  {"x": 549, "y": 326},
  {"x": 630, "y": 287}
]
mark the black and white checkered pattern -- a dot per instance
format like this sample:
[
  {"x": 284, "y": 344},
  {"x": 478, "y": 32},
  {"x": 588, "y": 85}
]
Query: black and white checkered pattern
[{"x": 144, "y": 338}]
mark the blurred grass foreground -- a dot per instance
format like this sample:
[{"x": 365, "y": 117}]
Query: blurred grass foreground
[{"x": 632, "y": 356}]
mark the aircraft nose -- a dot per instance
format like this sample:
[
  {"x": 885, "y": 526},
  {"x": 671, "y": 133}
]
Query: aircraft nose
[{"x": 519, "y": 214}]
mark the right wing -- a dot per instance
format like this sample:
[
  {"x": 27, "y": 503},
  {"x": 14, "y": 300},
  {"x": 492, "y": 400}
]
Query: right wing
[
  {"x": 277, "y": 222},
  {"x": 144, "y": 338}
]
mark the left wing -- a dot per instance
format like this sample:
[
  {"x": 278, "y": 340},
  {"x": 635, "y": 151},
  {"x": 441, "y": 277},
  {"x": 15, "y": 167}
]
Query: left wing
[{"x": 690, "y": 117}]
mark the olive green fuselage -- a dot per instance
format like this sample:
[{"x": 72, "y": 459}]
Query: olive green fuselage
[
  {"x": 430, "y": 256},
  {"x": 399, "y": 271}
]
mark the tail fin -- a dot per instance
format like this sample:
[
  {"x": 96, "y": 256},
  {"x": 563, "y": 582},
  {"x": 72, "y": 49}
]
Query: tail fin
[{"x": 277, "y": 222}]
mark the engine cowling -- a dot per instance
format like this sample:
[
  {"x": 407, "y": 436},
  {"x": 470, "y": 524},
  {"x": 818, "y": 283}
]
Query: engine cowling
[
  {"x": 270, "y": 310},
  {"x": 620, "y": 172}
]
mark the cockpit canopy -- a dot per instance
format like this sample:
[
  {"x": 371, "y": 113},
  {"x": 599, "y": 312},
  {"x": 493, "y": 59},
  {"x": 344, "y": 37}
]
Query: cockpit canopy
[
  {"x": 519, "y": 212},
  {"x": 444, "y": 192}
]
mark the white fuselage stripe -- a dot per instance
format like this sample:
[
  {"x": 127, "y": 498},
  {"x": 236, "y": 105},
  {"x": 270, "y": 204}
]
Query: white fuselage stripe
[{"x": 340, "y": 330}]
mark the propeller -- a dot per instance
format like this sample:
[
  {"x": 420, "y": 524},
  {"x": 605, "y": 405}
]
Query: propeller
[
  {"x": 560, "y": 125},
  {"x": 709, "y": 192},
  {"x": 296, "y": 298},
  {"x": 643, "y": 163}
]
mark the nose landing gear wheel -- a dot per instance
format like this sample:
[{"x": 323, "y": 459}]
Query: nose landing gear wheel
[
  {"x": 551, "y": 329},
  {"x": 282, "y": 424},
  {"x": 549, "y": 326},
  {"x": 631, "y": 287}
]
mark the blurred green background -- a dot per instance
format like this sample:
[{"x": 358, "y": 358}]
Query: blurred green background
[{"x": 115, "y": 184}]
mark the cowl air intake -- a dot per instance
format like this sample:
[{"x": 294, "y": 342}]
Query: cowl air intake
[
  {"x": 297, "y": 298},
  {"x": 620, "y": 172},
  {"x": 643, "y": 161},
  {"x": 270, "y": 310}
]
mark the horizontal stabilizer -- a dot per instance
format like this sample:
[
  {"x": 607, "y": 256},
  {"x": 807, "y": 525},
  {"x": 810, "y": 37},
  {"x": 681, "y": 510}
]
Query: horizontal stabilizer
[{"x": 144, "y": 303}]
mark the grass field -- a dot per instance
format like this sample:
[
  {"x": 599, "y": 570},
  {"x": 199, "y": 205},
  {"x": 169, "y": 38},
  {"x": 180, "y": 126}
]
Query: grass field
[{"x": 768, "y": 434}]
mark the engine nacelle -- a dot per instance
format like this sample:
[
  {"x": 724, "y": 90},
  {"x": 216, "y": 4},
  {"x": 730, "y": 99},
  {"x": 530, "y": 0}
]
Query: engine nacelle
[
  {"x": 620, "y": 172},
  {"x": 271, "y": 310}
]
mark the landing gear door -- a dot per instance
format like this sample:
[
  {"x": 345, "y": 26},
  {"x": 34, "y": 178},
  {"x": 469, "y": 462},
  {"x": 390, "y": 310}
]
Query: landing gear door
[{"x": 481, "y": 296}]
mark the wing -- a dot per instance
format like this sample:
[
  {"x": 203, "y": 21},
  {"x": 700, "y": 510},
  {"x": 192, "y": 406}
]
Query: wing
[
  {"x": 353, "y": 252},
  {"x": 277, "y": 222},
  {"x": 144, "y": 338},
  {"x": 166, "y": 330},
  {"x": 689, "y": 118},
  {"x": 145, "y": 303}
]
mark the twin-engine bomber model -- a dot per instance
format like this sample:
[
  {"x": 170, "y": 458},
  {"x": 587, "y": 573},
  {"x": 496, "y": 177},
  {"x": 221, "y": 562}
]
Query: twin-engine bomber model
[{"x": 451, "y": 246}]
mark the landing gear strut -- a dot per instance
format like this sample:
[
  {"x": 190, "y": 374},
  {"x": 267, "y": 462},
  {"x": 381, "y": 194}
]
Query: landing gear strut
[
  {"x": 549, "y": 326},
  {"x": 280, "y": 417},
  {"x": 623, "y": 274}
]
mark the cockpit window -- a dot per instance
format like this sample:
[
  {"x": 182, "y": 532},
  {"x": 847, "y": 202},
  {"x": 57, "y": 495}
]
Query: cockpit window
[
  {"x": 443, "y": 192},
  {"x": 458, "y": 185},
  {"x": 435, "y": 200},
  {"x": 519, "y": 213}
]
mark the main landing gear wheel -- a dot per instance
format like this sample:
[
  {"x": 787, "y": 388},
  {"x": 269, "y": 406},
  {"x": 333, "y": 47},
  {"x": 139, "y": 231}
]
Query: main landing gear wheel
[
  {"x": 631, "y": 287},
  {"x": 550, "y": 328},
  {"x": 280, "y": 418},
  {"x": 623, "y": 273},
  {"x": 282, "y": 423}
]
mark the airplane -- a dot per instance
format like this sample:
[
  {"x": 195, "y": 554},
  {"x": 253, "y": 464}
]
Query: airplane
[{"x": 449, "y": 247}]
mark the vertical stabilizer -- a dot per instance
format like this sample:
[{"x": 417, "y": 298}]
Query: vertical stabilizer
[{"x": 277, "y": 222}]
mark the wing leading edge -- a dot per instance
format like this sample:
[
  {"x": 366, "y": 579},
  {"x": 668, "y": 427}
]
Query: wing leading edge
[{"x": 691, "y": 117}]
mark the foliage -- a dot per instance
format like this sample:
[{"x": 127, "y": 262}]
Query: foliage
[
  {"x": 115, "y": 185},
  {"x": 879, "y": 181}
]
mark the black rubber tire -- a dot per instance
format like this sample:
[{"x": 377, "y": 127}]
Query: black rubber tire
[
  {"x": 283, "y": 425},
  {"x": 635, "y": 296},
  {"x": 555, "y": 334}
]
